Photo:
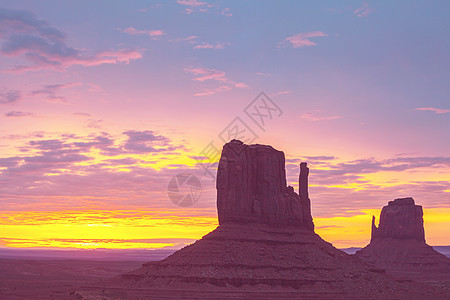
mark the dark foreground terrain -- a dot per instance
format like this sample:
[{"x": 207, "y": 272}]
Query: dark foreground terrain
[
  {"x": 54, "y": 279},
  {"x": 45, "y": 278}
]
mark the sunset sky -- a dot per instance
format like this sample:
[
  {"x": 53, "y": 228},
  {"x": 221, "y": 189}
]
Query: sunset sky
[{"x": 102, "y": 103}]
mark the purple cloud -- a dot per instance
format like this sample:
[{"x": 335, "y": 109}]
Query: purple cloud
[
  {"x": 17, "y": 114},
  {"x": 47, "y": 144},
  {"x": 146, "y": 142},
  {"x": 10, "y": 96},
  {"x": 49, "y": 91},
  {"x": 67, "y": 158},
  {"x": 9, "y": 161},
  {"x": 22, "y": 34},
  {"x": 24, "y": 181}
]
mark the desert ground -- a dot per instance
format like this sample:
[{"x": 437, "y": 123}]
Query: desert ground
[{"x": 47, "y": 278}]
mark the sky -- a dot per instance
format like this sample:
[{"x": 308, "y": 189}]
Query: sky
[{"x": 103, "y": 104}]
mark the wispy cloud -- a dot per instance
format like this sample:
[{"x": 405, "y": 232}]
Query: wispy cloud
[
  {"x": 133, "y": 31},
  {"x": 194, "y": 3},
  {"x": 50, "y": 91},
  {"x": 281, "y": 93},
  {"x": 202, "y": 74},
  {"x": 200, "y": 6},
  {"x": 314, "y": 117},
  {"x": 23, "y": 35},
  {"x": 436, "y": 110},
  {"x": 18, "y": 114},
  {"x": 146, "y": 9},
  {"x": 363, "y": 11},
  {"x": 82, "y": 114},
  {"x": 213, "y": 75},
  {"x": 190, "y": 39},
  {"x": 10, "y": 96},
  {"x": 154, "y": 33},
  {"x": 226, "y": 12},
  {"x": 94, "y": 123},
  {"x": 210, "y": 46},
  {"x": 94, "y": 88},
  {"x": 194, "y": 40},
  {"x": 303, "y": 39}
]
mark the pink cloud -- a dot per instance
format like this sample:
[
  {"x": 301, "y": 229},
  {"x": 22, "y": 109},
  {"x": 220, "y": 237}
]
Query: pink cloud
[
  {"x": 313, "y": 117},
  {"x": 436, "y": 110},
  {"x": 156, "y": 33},
  {"x": 23, "y": 35},
  {"x": 363, "y": 11},
  {"x": 134, "y": 31},
  {"x": 205, "y": 74},
  {"x": 226, "y": 12},
  {"x": 281, "y": 93},
  {"x": 208, "y": 92},
  {"x": 210, "y": 46},
  {"x": 190, "y": 39},
  {"x": 302, "y": 39},
  {"x": 191, "y": 2},
  {"x": 240, "y": 85}
]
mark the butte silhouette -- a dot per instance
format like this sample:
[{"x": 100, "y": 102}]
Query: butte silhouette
[
  {"x": 398, "y": 245},
  {"x": 264, "y": 247}
]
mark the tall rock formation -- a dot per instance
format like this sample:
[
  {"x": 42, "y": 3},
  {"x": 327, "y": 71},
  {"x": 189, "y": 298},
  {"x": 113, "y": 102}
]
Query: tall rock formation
[
  {"x": 304, "y": 195},
  {"x": 398, "y": 245},
  {"x": 400, "y": 219},
  {"x": 251, "y": 188},
  {"x": 264, "y": 247}
]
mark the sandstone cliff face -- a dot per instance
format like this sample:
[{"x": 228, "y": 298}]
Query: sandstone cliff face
[
  {"x": 251, "y": 188},
  {"x": 400, "y": 219}
]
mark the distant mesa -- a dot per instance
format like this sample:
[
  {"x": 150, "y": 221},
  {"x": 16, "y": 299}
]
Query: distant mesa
[
  {"x": 265, "y": 245},
  {"x": 400, "y": 219},
  {"x": 398, "y": 245}
]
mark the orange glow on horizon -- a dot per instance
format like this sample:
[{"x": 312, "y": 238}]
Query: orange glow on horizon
[
  {"x": 354, "y": 231},
  {"x": 102, "y": 229},
  {"x": 155, "y": 230}
]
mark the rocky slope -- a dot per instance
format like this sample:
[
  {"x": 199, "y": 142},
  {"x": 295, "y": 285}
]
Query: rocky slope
[{"x": 398, "y": 245}]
